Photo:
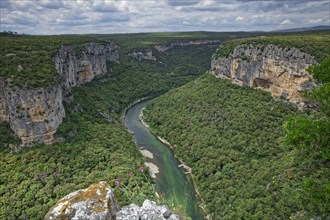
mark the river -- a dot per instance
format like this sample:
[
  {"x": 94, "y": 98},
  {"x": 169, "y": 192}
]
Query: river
[{"x": 171, "y": 180}]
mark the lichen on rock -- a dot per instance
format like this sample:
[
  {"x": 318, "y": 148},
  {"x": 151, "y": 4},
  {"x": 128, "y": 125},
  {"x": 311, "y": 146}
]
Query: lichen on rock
[{"x": 97, "y": 202}]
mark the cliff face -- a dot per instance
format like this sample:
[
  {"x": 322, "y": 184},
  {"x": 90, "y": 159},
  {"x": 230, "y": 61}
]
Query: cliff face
[
  {"x": 34, "y": 115},
  {"x": 143, "y": 55},
  {"x": 76, "y": 70},
  {"x": 164, "y": 48},
  {"x": 282, "y": 72}
]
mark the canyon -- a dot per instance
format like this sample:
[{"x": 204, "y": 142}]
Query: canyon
[{"x": 35, "y": 114}]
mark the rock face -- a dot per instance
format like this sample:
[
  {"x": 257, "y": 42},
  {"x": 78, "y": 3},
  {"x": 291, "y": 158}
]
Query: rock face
[
  {"x": 282, "y": 72},
  {"x": 149, "y": 210},
  {"x": 97, "y": 202},
  {"x": 143, "y": 55},
  {"x": 164, "y": 48},
  {"x": 34, "y": 115},
  {"x": 76, "y": 69}
]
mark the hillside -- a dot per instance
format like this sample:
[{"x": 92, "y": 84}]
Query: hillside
[
  {"x": 94, "y": 142},
  {"x": 315, "y": 43},
  {"x": 27, "y": 60},
  {"x": 254, "y": 157},
  {"x": 232, "y": 137}
]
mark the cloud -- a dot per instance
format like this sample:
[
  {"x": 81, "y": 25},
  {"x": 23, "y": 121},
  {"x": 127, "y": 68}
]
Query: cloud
[
  {"x": 286, "y": 21},
  {"x": 239, "y": 19},
  {"x": 313, "y": 21},
  {"x": 117, "y": 16}
]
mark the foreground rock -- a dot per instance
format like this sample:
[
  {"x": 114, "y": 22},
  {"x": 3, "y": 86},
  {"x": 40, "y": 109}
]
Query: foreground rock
[
  {"x": 280, "y": 71},
  {"x": 149, "y": 210},
  {"x": 95, "y": 202}
]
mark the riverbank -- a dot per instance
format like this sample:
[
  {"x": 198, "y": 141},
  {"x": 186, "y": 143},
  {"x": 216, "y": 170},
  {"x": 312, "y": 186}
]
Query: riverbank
[
  {"x": 187, "y": 170},
  {"x": 153, "y": 169}
]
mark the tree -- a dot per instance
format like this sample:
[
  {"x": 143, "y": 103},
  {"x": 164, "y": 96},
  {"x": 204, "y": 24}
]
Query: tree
[{"x": 311, "y": 137}]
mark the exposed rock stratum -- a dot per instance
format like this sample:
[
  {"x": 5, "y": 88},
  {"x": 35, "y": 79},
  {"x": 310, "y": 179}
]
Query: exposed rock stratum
[{"x": 280, "y": 71}]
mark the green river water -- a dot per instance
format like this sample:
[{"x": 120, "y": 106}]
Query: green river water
[{"x": 171, "y": 180}]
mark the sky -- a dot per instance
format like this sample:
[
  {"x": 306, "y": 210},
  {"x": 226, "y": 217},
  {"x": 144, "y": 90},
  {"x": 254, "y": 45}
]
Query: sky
[{"x": 136, "y": 16}]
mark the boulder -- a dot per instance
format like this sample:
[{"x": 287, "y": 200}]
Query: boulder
[
  {"x": 95, "y": 202},
  {"x": 149, "y": 210}
]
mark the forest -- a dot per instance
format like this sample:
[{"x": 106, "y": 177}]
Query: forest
[
  {"x": 234, "y": 139},
  {"x": 249, "y": 154},
  {"x": 98, "y": 145},
  {"x": 253, "y": 156}
]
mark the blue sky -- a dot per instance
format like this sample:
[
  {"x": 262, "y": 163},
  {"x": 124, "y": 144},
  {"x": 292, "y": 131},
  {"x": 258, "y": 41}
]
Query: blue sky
[{"x": 118, "y": 16}]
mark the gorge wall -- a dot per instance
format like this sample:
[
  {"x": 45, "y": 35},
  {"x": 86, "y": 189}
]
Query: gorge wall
[
  {"x": 280, "y": 71},
  {"x": 35, "y": 114}
]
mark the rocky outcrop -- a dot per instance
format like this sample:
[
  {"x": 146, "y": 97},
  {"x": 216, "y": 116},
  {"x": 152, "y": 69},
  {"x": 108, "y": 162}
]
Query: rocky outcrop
[
  {"x": 97, "y": 202},
  {"x": 165, "y": 47},
  {"x": 35, "y": 114},
  {"x": 149, "y": 210},
  {"x": 143, "y": 55},
  {"x": 76, "y": 69},
  {"x": 280, "y": 71}
]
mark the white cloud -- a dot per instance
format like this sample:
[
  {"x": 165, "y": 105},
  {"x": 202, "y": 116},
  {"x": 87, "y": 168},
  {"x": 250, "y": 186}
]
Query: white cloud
[
  {"x": 115, "y": 16},
  {"x": 239, "y": 19},
  {"x": 286, "y": 22},
  {"x": 313, "y": 21}
]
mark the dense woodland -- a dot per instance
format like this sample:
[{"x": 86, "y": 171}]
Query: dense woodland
[
  {"x": 233, "y": 138},
  {"x": 98, "y": 146},
  {"x": 253, "y": 157},
  {"x": 242, "y": 162}
]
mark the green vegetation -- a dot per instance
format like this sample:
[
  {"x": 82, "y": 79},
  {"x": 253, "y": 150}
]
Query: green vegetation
[
  {"x": 27, "y": 60},
  {"x": 233, "y": 138},
  {"x": 7, "y": 136},
  {"x": 101, "y": 149},
  {"x": 311, "y": 137},
  {"x": 316, "y": 43},
  {"x": 143, "y": 40},
  {"x": 241, "y": 162}
]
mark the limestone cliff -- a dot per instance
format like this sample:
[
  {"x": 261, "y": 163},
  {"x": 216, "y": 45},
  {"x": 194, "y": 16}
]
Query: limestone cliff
[
  {"x": 281, "y": 71},
  {"x": 143, "y": 55},
  {"x": 35, "y": 114},
  {"x": 76, "y": 69}
]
